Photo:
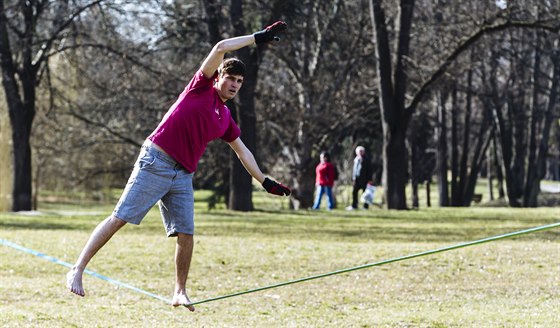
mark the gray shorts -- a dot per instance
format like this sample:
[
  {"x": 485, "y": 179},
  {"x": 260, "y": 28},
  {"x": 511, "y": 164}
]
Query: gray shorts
[{"x": 158, "y": 177}]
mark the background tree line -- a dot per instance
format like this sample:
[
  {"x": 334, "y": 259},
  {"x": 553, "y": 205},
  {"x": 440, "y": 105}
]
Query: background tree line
[{"x": 430, "y": 87}]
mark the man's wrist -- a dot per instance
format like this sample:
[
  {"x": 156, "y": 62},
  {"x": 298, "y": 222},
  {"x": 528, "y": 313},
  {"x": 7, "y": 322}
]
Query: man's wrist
[
  {"x": 260, "y": 37},
  {"x": 266, "y": 181}
]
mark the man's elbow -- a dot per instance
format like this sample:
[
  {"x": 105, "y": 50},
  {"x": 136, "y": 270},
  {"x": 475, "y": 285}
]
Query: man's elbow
[{"x": 220, "y": 47}]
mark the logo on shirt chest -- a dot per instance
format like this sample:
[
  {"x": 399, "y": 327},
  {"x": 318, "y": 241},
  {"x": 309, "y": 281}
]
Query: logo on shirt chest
[{"x": 217, "y": 111}]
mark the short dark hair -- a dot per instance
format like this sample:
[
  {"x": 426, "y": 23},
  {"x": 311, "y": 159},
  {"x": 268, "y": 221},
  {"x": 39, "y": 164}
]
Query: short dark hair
[
  {"x": 232, "y": 66},
  {"x": 326, "y": 155}
]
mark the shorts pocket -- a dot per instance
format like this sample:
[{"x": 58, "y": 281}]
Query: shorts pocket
[{"x": 146, "y": 160}]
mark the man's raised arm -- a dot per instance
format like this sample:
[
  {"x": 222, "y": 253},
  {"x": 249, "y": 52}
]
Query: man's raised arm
[{"x": 216, "y": 56}]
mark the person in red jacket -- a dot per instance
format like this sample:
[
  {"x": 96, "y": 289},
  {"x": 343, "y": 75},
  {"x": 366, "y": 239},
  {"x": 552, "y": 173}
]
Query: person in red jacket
[{"x": 324, "y": 180}]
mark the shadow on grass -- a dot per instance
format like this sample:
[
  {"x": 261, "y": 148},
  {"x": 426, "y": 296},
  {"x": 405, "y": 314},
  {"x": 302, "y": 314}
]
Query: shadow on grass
[
  {"x": 355, "y": 232},
  {"x": 255, "y": 212},
  {"x": 47, "y": 222},
  {"x": 359, "y": 226},
  {"x": 449, "y": 226},
  {"x": 36, "y": 226}
]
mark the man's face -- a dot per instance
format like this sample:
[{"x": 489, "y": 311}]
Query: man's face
[{"x": 228, "y": 85}]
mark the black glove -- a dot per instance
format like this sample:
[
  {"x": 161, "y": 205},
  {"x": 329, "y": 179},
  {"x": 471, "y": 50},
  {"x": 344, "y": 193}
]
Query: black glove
[
  {"x": 275, "y": 188},
  {"x": 270, "y": 32}
]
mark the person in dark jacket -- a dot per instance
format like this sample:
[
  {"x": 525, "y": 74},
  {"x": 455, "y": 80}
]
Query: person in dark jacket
[{"x": 361, "y": 174}]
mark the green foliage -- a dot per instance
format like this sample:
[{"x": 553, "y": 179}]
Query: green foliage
[{"x": 512, "y": 282}]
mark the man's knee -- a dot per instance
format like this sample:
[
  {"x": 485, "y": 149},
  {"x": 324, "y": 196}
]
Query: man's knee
[
  {"x": 183, "y": 238},
  {"x": 115, "y": 221}
]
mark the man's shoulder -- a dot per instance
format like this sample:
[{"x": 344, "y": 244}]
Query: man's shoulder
[{"x": 200, "y": 81}]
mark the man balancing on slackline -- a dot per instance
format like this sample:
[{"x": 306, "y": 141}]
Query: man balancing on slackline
[{"x": 164, "y": 169}]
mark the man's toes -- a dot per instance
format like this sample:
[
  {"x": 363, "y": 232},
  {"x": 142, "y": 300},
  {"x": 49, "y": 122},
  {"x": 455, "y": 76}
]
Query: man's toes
[{"x": 78, "y": 291}]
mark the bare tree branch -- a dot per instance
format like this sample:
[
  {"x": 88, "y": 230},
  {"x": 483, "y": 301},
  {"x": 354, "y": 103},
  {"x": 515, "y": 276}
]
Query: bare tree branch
[
  {"x": 105, "y": 127},
  {"x": 41, "y": 56},
  {"x": 122, "y": 54},
  {"x": 485, "y": 30}
]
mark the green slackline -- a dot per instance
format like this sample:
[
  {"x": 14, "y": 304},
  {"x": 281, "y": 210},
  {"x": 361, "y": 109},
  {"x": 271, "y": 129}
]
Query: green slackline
[{"x": 402, "y": 258}]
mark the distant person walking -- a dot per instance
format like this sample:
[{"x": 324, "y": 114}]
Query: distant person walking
[
  {"x": 361, "y": 174},
  {"x": 164, "y": 169},
  {"x": 325, "y": 174}
]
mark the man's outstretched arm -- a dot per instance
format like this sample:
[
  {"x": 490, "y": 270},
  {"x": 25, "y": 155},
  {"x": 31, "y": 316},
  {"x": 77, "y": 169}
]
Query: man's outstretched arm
[
  {"x": 216, "y": 56},
  {"x": 248, "y": 161}
]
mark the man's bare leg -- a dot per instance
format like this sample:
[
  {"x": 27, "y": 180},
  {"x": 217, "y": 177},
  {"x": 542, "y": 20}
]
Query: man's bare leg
[
  {"x": 99, "y": 237},
  {"x": 183, "y": 256}
]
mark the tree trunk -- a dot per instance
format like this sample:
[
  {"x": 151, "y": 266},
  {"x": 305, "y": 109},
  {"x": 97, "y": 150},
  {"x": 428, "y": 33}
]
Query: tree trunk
[
  {"x": 394, "y": 164},
  {"x": 304, "y": 191},
  {"x": 241, "y": 192},
  {"x": 489, "y": 172},
  {"x": 498, "y": 168},
  {"x": 505, "y": 145},
  {"x": 414, "y": 176},
  {"x": 516, "y": 108},
  {"x": 21, "y": 113},
  {"x": 392, "y": 89},
  {"x": 480, "y": 149},
  {"x": 504, "y": 151},
  {"x": 466, "y": 149},
  {"x": 240, "y": 196},
  {"x": 428, "y": 196},
  {"x": 241, "y": 188},
  {"x": 533, "y": 186},
  {"x": 455, "y": 195},
  {"x": 470, "y": 171},
  {"x": 442, "y": 152},
  {"x": 22, "y": 195},
  {"x": 529, "y": 194}
]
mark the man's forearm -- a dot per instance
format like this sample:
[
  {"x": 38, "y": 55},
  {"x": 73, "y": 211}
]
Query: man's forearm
[
  {"x": 235, "y": 43},
  {"x": 250, "y": 164},
  {"x": 247, "y": 159}
]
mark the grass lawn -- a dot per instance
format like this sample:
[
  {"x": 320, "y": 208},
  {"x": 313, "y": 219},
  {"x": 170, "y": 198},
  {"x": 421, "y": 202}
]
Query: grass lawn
[{"x": 508, "y": 283}]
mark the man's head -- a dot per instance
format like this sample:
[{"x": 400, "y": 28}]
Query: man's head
[
  {"x": 230, "y": 78},
  {"x": 232, "y": 66},
  {"x": 325, "y": 156},
  {"x": 360, "y": 151}
]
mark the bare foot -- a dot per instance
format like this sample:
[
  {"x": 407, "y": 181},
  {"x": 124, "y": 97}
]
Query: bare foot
[
  {"x": 181, "y": 298},
  {"x": 74, "y": 282}
]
